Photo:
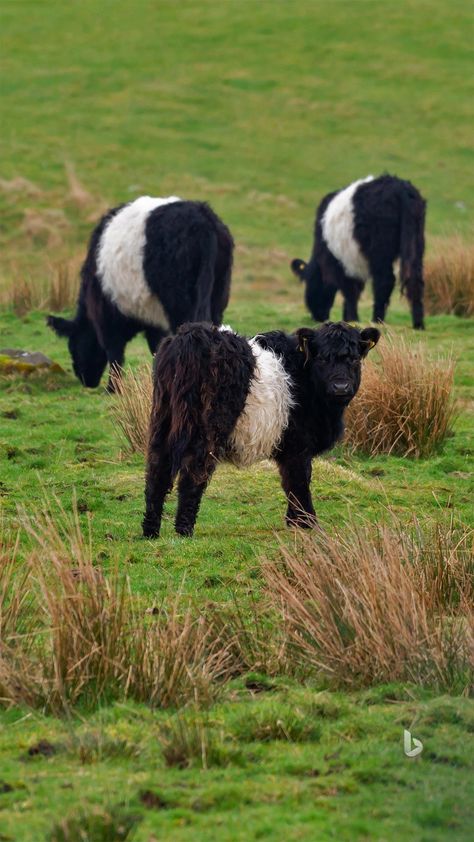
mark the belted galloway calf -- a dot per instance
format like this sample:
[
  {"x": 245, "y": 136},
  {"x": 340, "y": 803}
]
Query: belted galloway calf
[
  {"x": 359, "y": 232},
  {"x": 152, "y": 265},
  {"x": 220, "y": 397}
]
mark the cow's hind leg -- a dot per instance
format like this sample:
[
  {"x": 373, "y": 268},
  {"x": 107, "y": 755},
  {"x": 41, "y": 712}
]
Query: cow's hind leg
[
  {"x": 154, "y": 335},
  {"x": 415, "y": 297},
  {"x": 383, "y": 284},
  {"x": 351, "y": 291},
  {"x": 159, "y": 482},
  {"x": 193, "y": 482}
]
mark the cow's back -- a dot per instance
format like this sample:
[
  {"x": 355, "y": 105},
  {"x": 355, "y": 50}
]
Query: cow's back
[{"x": 120, "y": 258}]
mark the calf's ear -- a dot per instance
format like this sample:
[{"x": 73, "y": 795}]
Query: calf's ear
[
  {"x": 369, "y": 337},
  {"x": 298, "y": 267},
  {"x": 63, "y": 327},
  {"x": 305, "y": 336}
]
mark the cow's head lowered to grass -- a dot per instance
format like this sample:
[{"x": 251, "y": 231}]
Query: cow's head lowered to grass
[
  {"x": 333, "y": 356},
  {"x": 88, "y": 358}
]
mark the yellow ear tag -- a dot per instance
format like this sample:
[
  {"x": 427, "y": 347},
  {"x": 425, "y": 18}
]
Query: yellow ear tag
[
  {"x": 302, "y": 265},
  {"x": 371, "y": 343}
]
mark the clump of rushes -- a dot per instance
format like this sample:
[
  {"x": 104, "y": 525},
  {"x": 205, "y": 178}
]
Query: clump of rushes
[
  {"x": 71, "y": 634},
  {"x": 131, "y": 407},
  {"x": 405, "y": 405},
  {"x": 377, "y": 604},
  {"x": 100, "y": 824},
  {"x": 189, "y": 739},
  {"x": 449, "y": 278}
]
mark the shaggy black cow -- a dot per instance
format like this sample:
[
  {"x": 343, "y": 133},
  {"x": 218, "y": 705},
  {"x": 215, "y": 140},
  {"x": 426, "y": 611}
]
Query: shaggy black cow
[
  {"x": 220, "y": 397},
  {"x": 152, "y": 265},
  {"x": 359, "y": 232}
]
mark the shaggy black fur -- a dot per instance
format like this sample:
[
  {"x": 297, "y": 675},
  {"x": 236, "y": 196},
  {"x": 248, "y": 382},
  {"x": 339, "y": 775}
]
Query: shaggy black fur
[
  {"x": 187, "y": 264},
  {"x": 389, "y": 220},
  {"x": 201, "y": 382}
]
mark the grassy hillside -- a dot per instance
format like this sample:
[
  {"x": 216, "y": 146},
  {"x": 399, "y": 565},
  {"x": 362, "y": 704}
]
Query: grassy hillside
[{"x": 259, "y": 108}]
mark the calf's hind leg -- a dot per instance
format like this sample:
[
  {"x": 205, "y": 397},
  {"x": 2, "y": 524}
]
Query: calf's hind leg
[
  {"x": 159, "y": 482},
  {"x": 190, "y": 491}
]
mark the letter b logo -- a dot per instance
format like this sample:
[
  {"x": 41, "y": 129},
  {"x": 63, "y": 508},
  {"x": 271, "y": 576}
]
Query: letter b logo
[{"x": 409, "y": 751}]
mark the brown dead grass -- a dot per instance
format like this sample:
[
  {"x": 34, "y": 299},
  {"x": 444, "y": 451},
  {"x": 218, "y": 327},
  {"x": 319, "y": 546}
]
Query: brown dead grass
[
  {"x": 78, "y": 194},
  {"x": 405, "y": 404},
  {"x": 64, "y": 283},
  {"x": 370, "y": 605},
  {"x": 57, "y": 290},
  {"x": 45, "y": 227},
  {"x": 449, "y": 277},
  {"x": 131, "y": 407},
  {"x": 19, "y": 184},
  {"x": 72, "y": 634}
]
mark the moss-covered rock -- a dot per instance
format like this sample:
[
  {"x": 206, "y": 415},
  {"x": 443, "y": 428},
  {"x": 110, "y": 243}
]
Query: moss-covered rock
[{"x": 25, "y": 363}]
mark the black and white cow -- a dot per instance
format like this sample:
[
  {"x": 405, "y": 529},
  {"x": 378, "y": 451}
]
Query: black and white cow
[
  {"x": 220, "y": 397},
  {"x": 359, "y": 232},
  {"x": 152, "y": 265}
]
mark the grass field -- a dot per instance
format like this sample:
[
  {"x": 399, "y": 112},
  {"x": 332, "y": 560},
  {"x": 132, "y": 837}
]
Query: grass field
[{"x": 259, "y": 108}]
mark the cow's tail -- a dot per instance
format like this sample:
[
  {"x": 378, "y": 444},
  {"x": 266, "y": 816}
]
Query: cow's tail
[
  {"x": 206, "y": 276},
  {"x": 181, "y": 374},
  {"x": 412, "y": 243}
]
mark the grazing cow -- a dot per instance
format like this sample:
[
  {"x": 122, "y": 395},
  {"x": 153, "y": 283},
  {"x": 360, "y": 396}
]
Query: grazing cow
[
  {"x": 359, "y": 232},
  {"x": 220, "y": 397},
  {"x": 152, "y": 265}
]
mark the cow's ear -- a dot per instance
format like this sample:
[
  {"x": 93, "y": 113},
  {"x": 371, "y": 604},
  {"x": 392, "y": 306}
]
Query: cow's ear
[
  {"x": 63, "y": 327},
  {"x": 368, "y": 339},
  {"x": 305, "y": 336},
  {"x": 298, "y": 267}
]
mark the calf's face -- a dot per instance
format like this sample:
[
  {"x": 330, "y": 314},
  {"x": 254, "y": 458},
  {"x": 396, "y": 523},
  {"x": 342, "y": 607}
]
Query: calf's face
[
  {"x": 333, "y": 356},
  {"x": 88, "y": 358}
]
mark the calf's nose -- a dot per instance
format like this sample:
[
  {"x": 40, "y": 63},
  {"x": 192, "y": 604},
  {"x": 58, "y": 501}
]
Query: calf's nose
[{"x": 341, "y": 387}]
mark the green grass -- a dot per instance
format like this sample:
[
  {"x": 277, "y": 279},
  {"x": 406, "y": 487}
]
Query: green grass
[
  {"x": 344, "y": 777},
  {"x": 259, "y": 108}
]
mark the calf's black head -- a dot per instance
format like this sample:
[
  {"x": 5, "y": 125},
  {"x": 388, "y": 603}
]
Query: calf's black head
[
  {"x": 333, "y": 356},
  {"x": 88, "y": 358}
]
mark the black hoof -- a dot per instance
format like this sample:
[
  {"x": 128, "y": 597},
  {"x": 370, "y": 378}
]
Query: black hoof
[
  {"x": 185, "y": 531},
  {"x": 150, "y": 530},
  {"x": 302, "y": 522}
]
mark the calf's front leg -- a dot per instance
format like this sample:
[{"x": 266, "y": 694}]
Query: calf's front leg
[{"x": 295, "y": 472}]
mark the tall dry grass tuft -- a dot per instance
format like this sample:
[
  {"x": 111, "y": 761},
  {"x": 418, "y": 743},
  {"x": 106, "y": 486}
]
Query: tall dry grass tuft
[
  {"x": 64, "y": 284},
  {"x": 131, "y": 406},
  {"x": 405, "y": 404},
  {"x": 57, "y": 290},
  {"x": 449, "y": 277},
  {"x": 376, "y": 604},
  {"x": 22, "y": 296},
  {"x": 87, "y": 640}
]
